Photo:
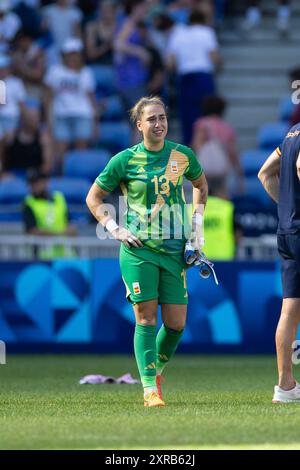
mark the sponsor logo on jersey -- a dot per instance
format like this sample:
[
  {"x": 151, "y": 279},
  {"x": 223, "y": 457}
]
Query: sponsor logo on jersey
[
  {"x": 174, "y": 166},
  {"x": 141, "y": 170},
  {"x": 136, "y": 288}
]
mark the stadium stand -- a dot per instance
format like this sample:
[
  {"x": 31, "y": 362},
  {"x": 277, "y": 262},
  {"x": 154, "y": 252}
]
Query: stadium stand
[
  {"x": 252, "y": 186},
  {"x": 115, "y": 136},
  {"x": 75, "y": 191},
  {"x": 286, "y": 109},
  {"x": 85, "y": 163},
  {"x": 12, "y": 193},
  {"x": 249, "y": 59},
  {"x": 271, "y": 135},
  {"x": 252, "y": 160},
  {"x": 113, "y": 108},
  {"x": 105, "y": 79}
]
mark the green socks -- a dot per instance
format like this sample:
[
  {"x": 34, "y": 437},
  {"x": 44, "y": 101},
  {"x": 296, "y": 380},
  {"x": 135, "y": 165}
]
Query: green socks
[
  {"x": 145, "y": 353},
  {"x": 166, "y": 344},
  {"x": 153, "y": 352}
]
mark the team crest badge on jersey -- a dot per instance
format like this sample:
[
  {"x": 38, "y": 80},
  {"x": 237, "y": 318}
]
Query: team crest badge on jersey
[
  {"x": 136, "y": 288},
  {"x": 174, "y": 167}
]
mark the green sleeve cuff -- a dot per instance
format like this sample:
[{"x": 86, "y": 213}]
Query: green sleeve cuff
[
  {"x": 196, "y": 177},
  {"x": 103, "y": 186}
]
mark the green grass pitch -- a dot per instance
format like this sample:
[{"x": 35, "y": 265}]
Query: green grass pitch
[{"x": 213, "y": 402}]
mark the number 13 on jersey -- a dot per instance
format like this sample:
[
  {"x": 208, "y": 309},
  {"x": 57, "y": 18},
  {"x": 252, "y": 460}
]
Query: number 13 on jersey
[{"x": 164, "y": 187}]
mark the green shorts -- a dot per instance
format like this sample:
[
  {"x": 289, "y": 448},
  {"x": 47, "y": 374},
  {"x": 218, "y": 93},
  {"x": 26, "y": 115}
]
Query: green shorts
[{"x": 150, "y": 275}]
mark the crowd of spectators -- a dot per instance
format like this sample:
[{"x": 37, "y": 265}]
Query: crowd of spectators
[
  {"x": 71, "y": 66},
  {"x": 52, "y": 55}
]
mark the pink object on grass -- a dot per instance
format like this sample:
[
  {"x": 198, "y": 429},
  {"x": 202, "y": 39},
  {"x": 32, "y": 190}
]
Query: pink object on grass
[{"x": 94, "y": 379}]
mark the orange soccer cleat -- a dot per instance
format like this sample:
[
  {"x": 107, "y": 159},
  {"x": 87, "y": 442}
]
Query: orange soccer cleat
[{"x": 153, "y": 399}]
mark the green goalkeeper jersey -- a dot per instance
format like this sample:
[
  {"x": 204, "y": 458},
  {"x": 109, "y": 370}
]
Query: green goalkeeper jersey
[{"x": 152, "y": 184}]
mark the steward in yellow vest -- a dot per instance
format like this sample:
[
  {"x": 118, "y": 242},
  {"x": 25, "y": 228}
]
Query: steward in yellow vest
[
  {"x": 46, "y": 215},
  {"x": 219, "y": 229}
]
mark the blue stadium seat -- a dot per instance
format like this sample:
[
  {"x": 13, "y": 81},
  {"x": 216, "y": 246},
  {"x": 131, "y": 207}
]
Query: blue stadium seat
[
  {"x": 104, "y": 76},
  {"x": 13, "y": 191},
  {"x": 286, "y": 109},
  {"x": 115, "y": 135},
  {"x": 252, "y": 160},
  {"x": 113, "y": 108},
  {"x": 253, "y": 187},
  {"x": 85, "y": 163},
  {"x": 74, "y": 189},
  {"x": 180, "y": 16},
  {"x": 12, "y": 194},
  {"x": 271, "y": 135}
]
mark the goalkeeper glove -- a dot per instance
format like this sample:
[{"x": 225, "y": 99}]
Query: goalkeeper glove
[
  {"x": 196, "y": 242},
  {"x": 194, "y": 258}
]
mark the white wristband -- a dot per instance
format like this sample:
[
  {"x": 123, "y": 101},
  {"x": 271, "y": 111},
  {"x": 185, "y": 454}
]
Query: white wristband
[
  {"x": 198, "y": 218},
  {"x": 111, "y": 225},
  {"x": 201, "y": 241}
]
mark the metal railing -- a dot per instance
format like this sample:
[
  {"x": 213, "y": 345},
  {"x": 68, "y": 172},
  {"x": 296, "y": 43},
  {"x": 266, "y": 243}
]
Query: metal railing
[
  {"x": 28, "y": 247},
  {"x": 263, "y": 248}
]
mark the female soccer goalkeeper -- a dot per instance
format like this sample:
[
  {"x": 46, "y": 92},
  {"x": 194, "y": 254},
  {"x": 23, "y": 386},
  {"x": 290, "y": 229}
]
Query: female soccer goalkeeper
[{"x": 153, "y": 241}]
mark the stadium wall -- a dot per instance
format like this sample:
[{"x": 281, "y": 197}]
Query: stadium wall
[{"x": 80, "y": 306}]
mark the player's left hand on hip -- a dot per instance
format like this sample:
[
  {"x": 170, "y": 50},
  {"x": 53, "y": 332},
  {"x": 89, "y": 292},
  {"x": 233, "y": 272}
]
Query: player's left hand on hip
[{"x": 127, "y": 238}]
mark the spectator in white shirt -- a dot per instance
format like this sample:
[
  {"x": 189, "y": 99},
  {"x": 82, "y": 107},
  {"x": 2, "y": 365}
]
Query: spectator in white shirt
[
  {"x": 63, "y": 21},
  {"x": 70, "y": 101},
  {"x": 10, "y": 24},
  {"x": 193, "y": 52},
  {"x": 254, "y": 15},
  {"x": 15, "y": 98}
]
